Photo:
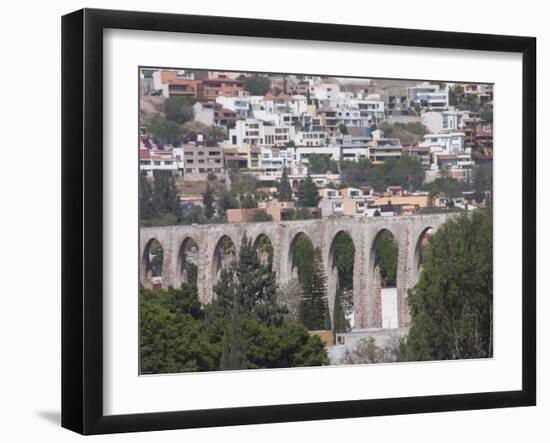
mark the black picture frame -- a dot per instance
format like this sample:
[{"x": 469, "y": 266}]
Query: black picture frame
[{"x": 82, "y": 218}]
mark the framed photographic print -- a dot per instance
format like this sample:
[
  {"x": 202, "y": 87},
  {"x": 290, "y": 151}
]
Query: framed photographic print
[{"x": 270, "y": 221}]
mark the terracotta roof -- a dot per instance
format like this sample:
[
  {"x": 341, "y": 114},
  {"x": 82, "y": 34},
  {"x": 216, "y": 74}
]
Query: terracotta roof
[{"x": 269, "y": 96}]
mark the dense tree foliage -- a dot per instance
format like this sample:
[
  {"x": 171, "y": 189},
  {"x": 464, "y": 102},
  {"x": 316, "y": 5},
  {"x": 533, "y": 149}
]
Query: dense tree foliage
[
  {"x": 308, "y": 196},
  {"x": 483, "y": 182},
  {"x": 165, "y": 131},
  {"x": 407, "y": 172},
  {"x": 321, "y": 164},
  {"x": 146, "y": 206},
  {"x": 165, "y": 194},
  {"x": 173, "y": 334},
  {"x": 243, "y": 328},
  {"x": 340, "y": 323},
  {"x": 314, "y": 313},
  {"x": 256, "y": 84},
  {"x": 450, "y": 186},
  {"x": 179, "y": 109},
  {"x": 344, "y": 257},
  {"x": 451, "y": 306},
  {"x": 208, "y": 201},
  {"x": 386, "y": 253},
  {"x": 159, "y": 204},
  {"x": 283, "y": 187}
]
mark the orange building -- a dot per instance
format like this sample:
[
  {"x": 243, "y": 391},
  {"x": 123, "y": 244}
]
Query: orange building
[
  {"x": 179, "y": 86},
  {"x": 221, "y": 87}
]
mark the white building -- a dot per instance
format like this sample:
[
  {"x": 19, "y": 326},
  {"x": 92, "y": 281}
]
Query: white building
[
  {"x": 239, "y": 105},
  {"x": 448, "y": 143},
  {"x": 428, "y": 96},
  {"x": 450, "y": 120},
  {"x": 372, "y": 110},
  {"x": 324, "y": 91},
  {"x": 313, "y": 138},
  {"x": 253, "y": 132}
]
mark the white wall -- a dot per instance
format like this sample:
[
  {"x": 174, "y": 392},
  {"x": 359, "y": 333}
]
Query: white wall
[{"x": 30, "y": 314}]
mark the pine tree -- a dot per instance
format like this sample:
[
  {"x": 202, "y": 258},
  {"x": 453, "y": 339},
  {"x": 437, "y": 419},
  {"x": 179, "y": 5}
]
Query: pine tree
[
  {"x": 146, "y": 207},
  {"x": 285, "y": 190},
  {"x": 248, "y": 286},
  {"x": 313, "y": 306},
  {"x": 308, "y": 196},
  {"x": 233, "y": 344},
  {"x": 340, "y": 321},
  {"x": 208, "y": 202},
  {"x": 165, "y": 195}
]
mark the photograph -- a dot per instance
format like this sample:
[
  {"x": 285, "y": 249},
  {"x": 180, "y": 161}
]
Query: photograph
[{"x": 293, "y": 220}]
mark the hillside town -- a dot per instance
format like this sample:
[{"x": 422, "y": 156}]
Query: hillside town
[{"x": 233, "y": 142}]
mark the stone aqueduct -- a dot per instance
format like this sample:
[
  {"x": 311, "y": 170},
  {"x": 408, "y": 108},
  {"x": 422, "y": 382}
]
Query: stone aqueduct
[{"x": 407, "y": 231}]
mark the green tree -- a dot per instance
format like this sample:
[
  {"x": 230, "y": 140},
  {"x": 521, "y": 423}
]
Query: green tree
[
  {"x": 248, "y": 201},
  {"x": 257, "y": 84},
  {"x": 451, "y": 306},
  {"x": 284, "y": 188},
  {"x": 344, "y": 257},
  {"x": 228, "y": 201},
  {"x": 165, "y": 131},
  {"x": 248, "y": 286},
  {"x": 343, "y": 129},
  {"x": 321, "y": 163},
  {"x": 179, "y": 109},
  {"x": 313, "y": 305},
  {"x": 173, "y": 336},
  {"x": 233, "y": 344},
  {"x": 386, "y": 258},
  {"x": 340, "y": 323},
  {"x": 308, "y": 196},
  {"x": 483, "y": 182},
  {"x": 165, "y": 195},
  {"x": 208, "y": 201},
  {"x": 146, "y": 206}
]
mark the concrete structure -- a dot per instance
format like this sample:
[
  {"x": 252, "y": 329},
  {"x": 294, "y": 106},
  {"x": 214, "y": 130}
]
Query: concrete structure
[
  {"x": 428, "y": 96},
  {"x": 408, "y": 232},
  {"x": 199, "y": 161}
]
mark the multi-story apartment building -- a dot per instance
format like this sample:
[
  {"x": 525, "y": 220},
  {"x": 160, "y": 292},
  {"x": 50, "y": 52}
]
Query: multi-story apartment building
[
  {"x": 382, "y": 149},
  {"x": 428, "y": 96},
  {"x": 329, "y": 119},
  {"x": 199, "y": 161},
  {"x": 253, "y": 132},
  {"x": 166, "y": 160},
  {"x": 176, "y": 83},
  {"x": 447, "y": 143},
  {"x": 371, "y": 110},
  {"x": 213, "y": 88},
  {"x": 450, "y": 120},
  {"x": 294, "y": 104},
  {"x": 239, "y": 105},
  {"x": 311, "y": 138}
]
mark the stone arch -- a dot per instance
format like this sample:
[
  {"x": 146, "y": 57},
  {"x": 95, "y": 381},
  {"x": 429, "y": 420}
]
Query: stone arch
[
  {"x": 188, "y": 256},
  {"x": 152, "y": 262},
  {"x": 225, "y": 252},
  {"x": 264, "y": 248}
]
